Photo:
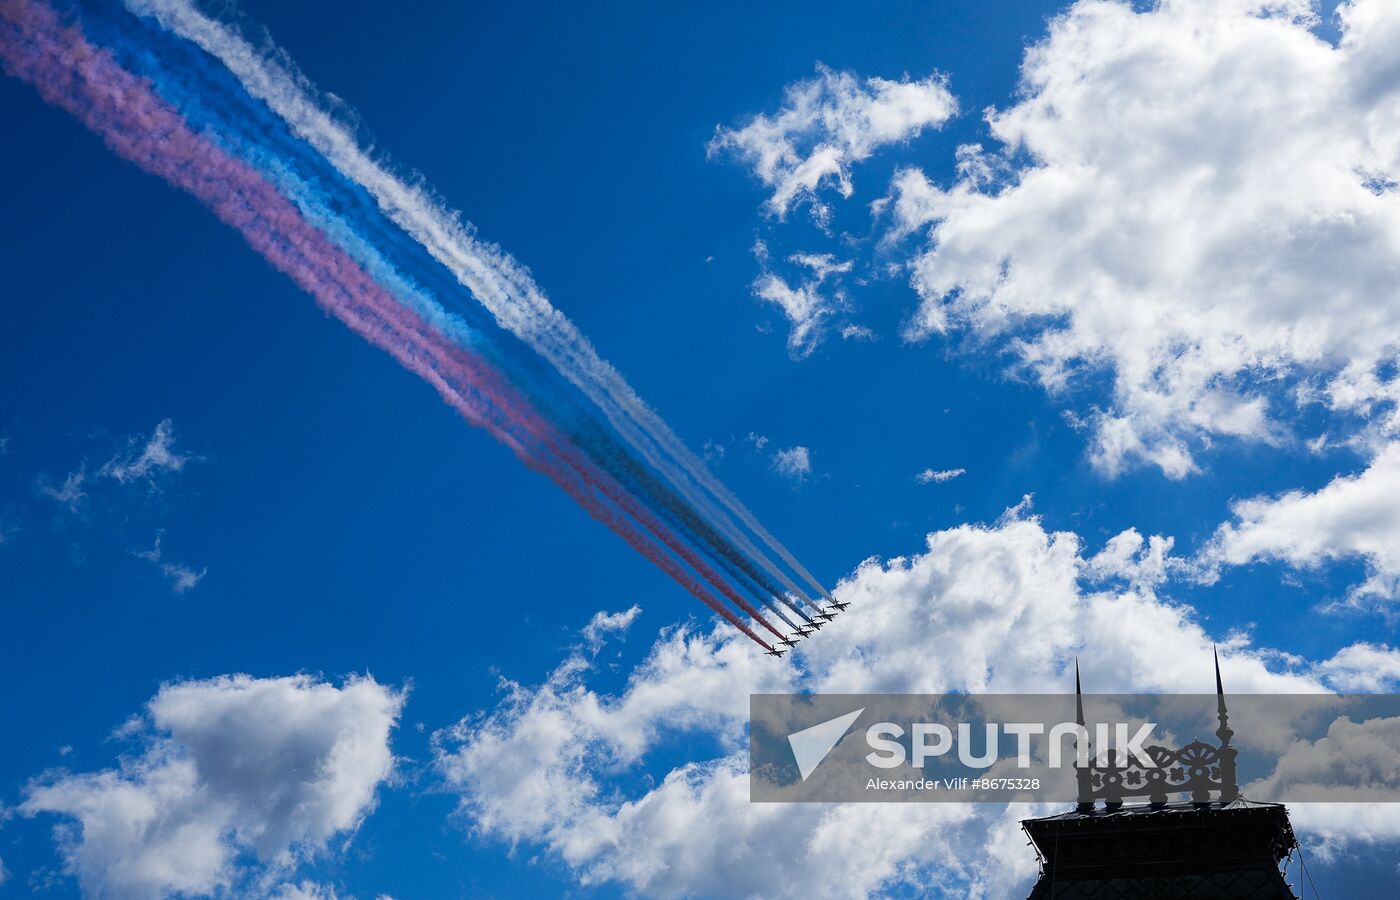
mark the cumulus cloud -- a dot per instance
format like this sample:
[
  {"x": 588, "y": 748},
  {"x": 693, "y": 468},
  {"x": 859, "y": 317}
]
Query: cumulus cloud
[
  {"x": 825, "y": 126},
  {"x": 1363, "y": 668},
  {"x": 239, "y": 779},
  {"x": 144, "y": 459},
  {"x": 938, "y": 476},
  {"x": 695, "y": 833},
  {"x": 794, "y": 463},
  {"x": 1131, "y": 558},
  {"x": 1353, "y": 517},
  {"x": 1195, "y": 198},
  {"x": 1351, "y": 762},
  {"x": 1022, "y": 601}
]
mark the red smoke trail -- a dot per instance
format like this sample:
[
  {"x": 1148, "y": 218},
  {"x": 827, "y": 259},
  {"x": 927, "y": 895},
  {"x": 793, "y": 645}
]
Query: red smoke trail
[{"x": 84, "y": 80}]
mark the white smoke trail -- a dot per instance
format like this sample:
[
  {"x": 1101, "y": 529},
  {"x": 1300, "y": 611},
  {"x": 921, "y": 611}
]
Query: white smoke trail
[{"x": 494, "y": 278}]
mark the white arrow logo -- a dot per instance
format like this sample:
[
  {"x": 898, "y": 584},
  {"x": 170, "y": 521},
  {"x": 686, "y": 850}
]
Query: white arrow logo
[{"x": 811, "y": 745}]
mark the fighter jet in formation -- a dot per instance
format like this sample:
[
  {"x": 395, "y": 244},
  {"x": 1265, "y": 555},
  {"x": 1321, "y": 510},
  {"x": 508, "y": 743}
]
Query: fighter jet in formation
[{"x": 810, "y": 624}]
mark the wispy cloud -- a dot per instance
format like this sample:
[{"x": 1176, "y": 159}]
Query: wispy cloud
[
  {"x": 70, "y": 493},
  {"x": 794, "y": 463},
  {"x": 804, "y": 307},
  {"x": 809, "y": 301},
  {"x": 938, "y": 476},
  {"x": 141, "y": 459},
  {"x": 605, "y": 624},
  {"x": 182, "y": 578},
  {"x": 825, "y": 126},
  {"x": 145, "y": 458}
]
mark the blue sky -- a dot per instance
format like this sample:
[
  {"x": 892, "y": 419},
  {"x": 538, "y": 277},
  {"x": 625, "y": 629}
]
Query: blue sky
[{"x": 347, "y": 522}]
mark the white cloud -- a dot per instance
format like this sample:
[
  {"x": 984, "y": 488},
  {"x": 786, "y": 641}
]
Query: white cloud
[
  {"x": 1191, "y": 197},
  {"x": 232, "y": 769},
  {"x": 821, "y": 265},
  {"x": 596, "y": 632},
  {"x": 1363, "y": 668},
  {"x": 142, "y": 460},
  {"x": 794, "y": 463},
  {"x": 810, "y": 304},
  {"x": 1353, "y": 517},
  {"x": 555, "y": 731},
  {"x": 1127, "y": 556},
  {"x": 1353, "y": 760},
  {"x": 70, "y": 494},
  {"x": 303, "y": 890},
  {"x": 1022, "y": 602},
  {"x": 825, "y": 126},
  {"x": 182, "y": 578},
  {"x": 1337, "y": 829},
  {"x": 938, "y": 476},
  {"x": 804, "y": 306}
]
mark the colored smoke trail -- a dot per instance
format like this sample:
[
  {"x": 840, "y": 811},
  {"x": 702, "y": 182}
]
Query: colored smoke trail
[
  {"x": 84, "y": 80},
  {"x": 213, "y": 100},
  {"x": 496, "y": 280}
]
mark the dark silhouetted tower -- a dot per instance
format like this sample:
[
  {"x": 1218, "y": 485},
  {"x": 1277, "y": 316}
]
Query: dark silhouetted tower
[{"x": 1216, "y": 844}]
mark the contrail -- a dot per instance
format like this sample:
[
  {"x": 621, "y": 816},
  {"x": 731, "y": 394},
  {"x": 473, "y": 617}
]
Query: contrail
[
  {"x": 494, "y": 278},
  {"x": 69, "y": 72}
]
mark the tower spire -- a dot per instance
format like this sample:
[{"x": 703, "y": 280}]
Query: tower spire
[
  {"x": 1219, "y": 688},
  {"x": 1078, "y": 695},
  {"x": 1229, "y": 788},
  {"x": 1083, "y": 773}
]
